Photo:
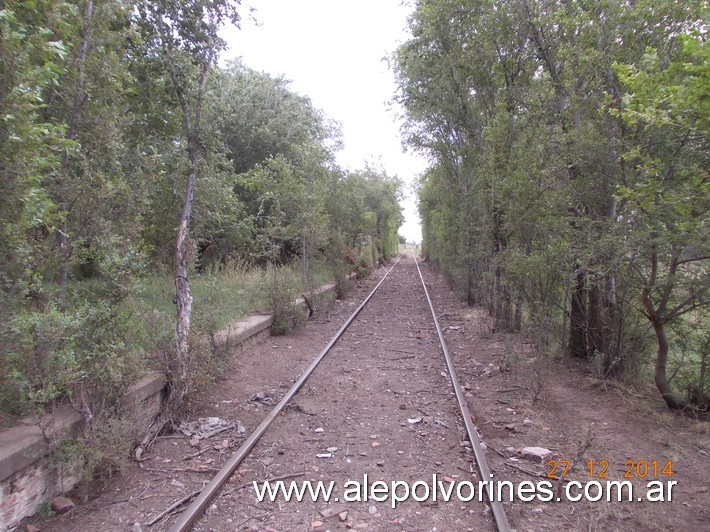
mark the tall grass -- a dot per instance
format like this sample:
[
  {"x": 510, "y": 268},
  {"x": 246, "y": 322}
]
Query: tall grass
[
  {"x": 222, "y": 296},
  {"x": 92, "y": 351}
]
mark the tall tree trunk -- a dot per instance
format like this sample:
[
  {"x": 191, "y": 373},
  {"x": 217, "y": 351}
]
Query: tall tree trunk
[
  {"x": 518, "y": 317},
  {"x": 183, "y": 295},
  {"x": 595, "y": 343},
  {"x": 578, "y": 316},
  {"x": 655, "y": 314},
  {"x": 672, "y": 399},
  {"x": 565, "y": 314},
  {"x": 611, "y": 335},
  {"x": 65, "y": 249}
]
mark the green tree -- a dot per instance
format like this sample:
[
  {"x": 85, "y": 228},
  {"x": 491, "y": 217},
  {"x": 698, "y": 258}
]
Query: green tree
[
  {"x": 31, "y": 55},
  {"x": 185, "y": 38},
  {"x": 666, "y": 199},
  {"x": 519, "y": 107},
  {"x": 73, "y": 203}
]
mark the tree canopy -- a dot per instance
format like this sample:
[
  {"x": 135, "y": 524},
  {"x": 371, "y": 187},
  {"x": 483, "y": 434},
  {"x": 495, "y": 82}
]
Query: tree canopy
[
  {"x": 126, "y": 149},
  {"x": 570, "y": 187}
]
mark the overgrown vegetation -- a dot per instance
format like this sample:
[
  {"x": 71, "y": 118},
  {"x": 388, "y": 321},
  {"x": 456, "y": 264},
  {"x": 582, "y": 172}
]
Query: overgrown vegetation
[
  {"x": 136, "y": 176},
  {"x": 570, "y": 191}
]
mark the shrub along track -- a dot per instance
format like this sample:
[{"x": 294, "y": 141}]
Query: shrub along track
[{"x": 385, "y": 371}]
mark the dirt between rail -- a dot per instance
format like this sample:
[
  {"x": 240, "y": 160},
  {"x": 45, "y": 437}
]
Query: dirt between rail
[{"x": 381, "y": 405}]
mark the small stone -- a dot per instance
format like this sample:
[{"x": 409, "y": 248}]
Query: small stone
[
  {"x": 375, "y": 444},
  {"x": 343, "y": 516},
  {"x": 194, "y": 442},
  {"x": 536, "y": 454},
  {"x": 510, "y": 427},
  {"x": 438, "y": 422},
  {"x": 19, "y": 484},
  {"x": 527, "y": 421},
  {"x": 316, "y": 524},
  {"x": 380, "y": 464},
  {"x": 61, "y": 505},
  {"x": 335, "y": 509},
  {"x": 31, "y": 528},
  {"x": 331, "y": 449},
  {"x": 319, "y": 430}
]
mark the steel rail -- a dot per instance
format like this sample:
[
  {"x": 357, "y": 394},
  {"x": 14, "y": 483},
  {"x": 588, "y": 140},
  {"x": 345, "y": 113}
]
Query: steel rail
[
  {"x": 198, "y": 505},
  {"x": 501, "y": 519}
]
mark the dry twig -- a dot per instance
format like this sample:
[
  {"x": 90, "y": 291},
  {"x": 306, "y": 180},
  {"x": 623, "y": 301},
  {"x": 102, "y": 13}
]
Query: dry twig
[
  {"x": 527, "y": 471},
  {"x": 173, "y": 506}
]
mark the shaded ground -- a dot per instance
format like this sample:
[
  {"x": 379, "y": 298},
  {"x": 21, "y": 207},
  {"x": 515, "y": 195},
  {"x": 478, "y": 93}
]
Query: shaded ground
[{"x": 380, "y": 404}]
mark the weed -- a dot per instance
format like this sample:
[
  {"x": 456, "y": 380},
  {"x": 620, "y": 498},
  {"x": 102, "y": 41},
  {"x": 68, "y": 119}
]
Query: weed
[
  {"x": 701, "y": 427},
  {"x": 45, "y": 509},
  {"x": 511, "y": 356},
  {"x": 538, "y": 384},
  {"x": 282, "y": 289},
  {"x": 100, "y": 452}
]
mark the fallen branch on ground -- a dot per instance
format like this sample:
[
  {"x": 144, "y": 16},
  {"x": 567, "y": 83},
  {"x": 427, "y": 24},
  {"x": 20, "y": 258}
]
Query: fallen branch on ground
[{"x": 173, "y": 506}]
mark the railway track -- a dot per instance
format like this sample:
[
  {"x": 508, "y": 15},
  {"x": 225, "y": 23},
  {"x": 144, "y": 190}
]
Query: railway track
[
  {"x": 382, "y": 406},
  {"x": 435, "y": 447}
]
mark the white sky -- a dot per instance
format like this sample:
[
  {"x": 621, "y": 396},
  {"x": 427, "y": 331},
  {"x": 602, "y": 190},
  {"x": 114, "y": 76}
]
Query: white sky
[{"x": 333, "y": 52}]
